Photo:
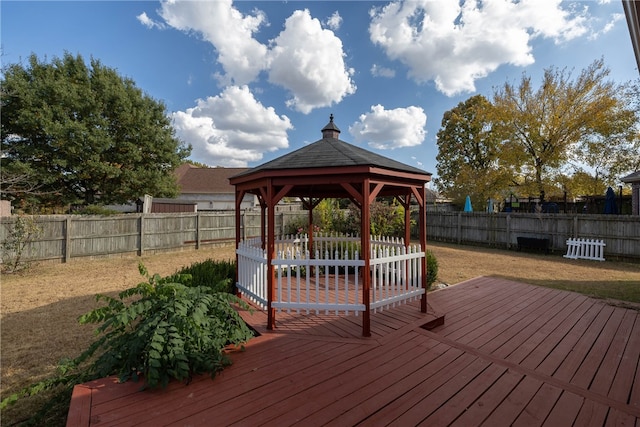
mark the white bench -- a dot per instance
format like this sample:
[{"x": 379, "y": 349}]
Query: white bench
[{"x": 592, "y": 249}]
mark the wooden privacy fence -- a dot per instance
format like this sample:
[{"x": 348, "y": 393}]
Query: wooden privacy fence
[
  {"x": 331, "y": 280},
  {"x": 620, "y": 233},
  {"x": 65, "y": 237}
]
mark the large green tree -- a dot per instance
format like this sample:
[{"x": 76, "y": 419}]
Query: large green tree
[
  {"x": 85, "y": 134},
  {"x": 469, "y": 153},
  {"x": 586, "y": 123}
]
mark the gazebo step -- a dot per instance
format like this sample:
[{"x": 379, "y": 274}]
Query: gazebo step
[{"x": 438, "y": 321}]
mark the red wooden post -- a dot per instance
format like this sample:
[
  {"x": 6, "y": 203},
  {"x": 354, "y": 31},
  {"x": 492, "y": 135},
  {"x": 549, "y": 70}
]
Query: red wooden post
[
  {"x": 271, "y": 247},
  {"x": 406, "y": 204},
  {"x": 311, "y": 253},
  {"x": 239, "y": 196},
  {"x": 365, "y": 232},
  {"x": 423, "y": 244}
]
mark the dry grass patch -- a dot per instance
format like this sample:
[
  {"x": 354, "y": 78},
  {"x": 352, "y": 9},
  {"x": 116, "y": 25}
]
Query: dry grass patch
[{"x": 39, "y": 309}]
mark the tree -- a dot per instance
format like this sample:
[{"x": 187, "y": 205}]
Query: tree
[
  {"x": 566, "y": 122},
  {"x": 469, "y": 153},
  {"x": 87, "y": 135}
]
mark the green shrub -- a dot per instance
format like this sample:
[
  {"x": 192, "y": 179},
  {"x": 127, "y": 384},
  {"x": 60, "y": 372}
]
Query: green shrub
[
  {"x": 167, "y": 331},
  {"x": 95, "y": 210},
  {"x": 161, "y": 329},
  {"x": 432, "y": 269},
  {"x": 218, "y": 275}
]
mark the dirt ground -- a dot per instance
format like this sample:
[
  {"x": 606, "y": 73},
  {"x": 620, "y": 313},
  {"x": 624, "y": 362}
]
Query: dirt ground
[{"x": 39, "y": 308}]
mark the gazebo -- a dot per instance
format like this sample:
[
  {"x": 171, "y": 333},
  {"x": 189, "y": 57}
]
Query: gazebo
[{"x": 327, "y": 272}]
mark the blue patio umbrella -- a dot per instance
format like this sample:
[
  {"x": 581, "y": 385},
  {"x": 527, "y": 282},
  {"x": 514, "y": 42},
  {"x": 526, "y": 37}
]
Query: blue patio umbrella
[
  {"x": 610, "y": 202},
  {"x": 467, "y": 205}
]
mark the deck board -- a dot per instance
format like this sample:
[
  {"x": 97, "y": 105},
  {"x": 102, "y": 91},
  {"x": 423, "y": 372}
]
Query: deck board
[{"x": 507, "y": 354}]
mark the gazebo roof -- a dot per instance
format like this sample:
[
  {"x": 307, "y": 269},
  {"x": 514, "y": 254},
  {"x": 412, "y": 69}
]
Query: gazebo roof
[
  {"x": 331, "y": 168},
  {"x": 327, "y": 155}
]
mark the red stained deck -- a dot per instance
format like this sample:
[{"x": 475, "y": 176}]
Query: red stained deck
[{"x": 508, "y": 354}]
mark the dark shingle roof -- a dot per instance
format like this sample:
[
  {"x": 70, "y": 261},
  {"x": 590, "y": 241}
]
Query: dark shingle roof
[
  {"x": 195, "y": 180},
  {"x": 633, "y": 177},
  {"x": 332, "y": 152}
]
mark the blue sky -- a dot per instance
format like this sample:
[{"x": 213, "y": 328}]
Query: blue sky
[{"x": 248, "y": 81}]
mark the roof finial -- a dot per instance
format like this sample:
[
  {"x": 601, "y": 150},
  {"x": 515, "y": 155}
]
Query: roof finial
[{"x": 331, "y": 130}]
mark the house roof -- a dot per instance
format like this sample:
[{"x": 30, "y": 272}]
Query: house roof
[
  {"x": 195, "y": 180},
  {"x": 632, "y": 12},
  {"x": 331, "y": 152},
  {"x": 632, "y": 177}
]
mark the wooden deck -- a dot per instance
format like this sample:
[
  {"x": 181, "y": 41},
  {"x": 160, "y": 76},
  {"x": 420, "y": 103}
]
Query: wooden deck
[{"x": 508, "y": 354}]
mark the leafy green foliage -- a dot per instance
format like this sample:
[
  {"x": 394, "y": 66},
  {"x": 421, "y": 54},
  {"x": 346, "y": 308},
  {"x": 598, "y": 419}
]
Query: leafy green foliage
[
  {"x": 541, "y": 140},
  {"x": 95, "y": 210},
  {"x": 387, "y": 218},
  {"x": 468, "y": 153},
  {"x": 564, "y": 122},
  {"x": 432, "y": 269},
  {"x": 162, "y": 329},
  {"x": 87, "y": 134},
  {"x": 218, "y": 275}
]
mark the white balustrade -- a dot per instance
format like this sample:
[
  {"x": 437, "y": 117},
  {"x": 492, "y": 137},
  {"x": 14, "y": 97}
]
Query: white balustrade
[{"x": 331, "y": 280}]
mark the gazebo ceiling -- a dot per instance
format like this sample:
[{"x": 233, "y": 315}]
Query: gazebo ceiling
[{"x": 322, "y": 169}]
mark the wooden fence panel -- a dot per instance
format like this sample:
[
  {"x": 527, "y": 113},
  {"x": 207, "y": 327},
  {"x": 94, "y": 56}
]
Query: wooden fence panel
[
  {"x": 96, "y": 235},
  {"x": 169, "y": 231},
  {"x": 69, "y": 236},
  {"x": 51, "y": 243},
  {"x": 216, "y": 227}
]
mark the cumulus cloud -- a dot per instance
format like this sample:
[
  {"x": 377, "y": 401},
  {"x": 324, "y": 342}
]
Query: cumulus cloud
[
  {"x": 304, "y": 59},
  {"x": 389, "y": 129},
  {"x": 455, "y": 44},
  {"x": 231, "y": 129},
  {"x": 307, "y": 60},
  {"x": 334, "y": 21},
  {"x": 227, "y": 29}
]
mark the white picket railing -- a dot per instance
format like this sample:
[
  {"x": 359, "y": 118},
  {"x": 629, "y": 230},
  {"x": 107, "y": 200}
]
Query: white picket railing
[
  {"x": 331, "y": 281},
  {"x": 323, "y": 283},
  {"x": 396, "y": 275},
  {"x": 592, "y": 249},
  {"x": 252, "y": 271}
]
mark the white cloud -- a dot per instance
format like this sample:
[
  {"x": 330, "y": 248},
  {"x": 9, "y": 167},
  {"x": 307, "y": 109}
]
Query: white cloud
[
  {"x": 308, "y": 61},
  {"x": 231, "y": 129},
  {"x": 227, "y": 29},
  {"x": 334, "y": 21},
  {"x": 454, "y": 44},
  {"x": 305, "y": 59},
  {"x": 378, "y": 71},
  {"x": 148, "y": 22},
  {"x": 609, "y": 25},
  {"x": 389, "y": 129}
]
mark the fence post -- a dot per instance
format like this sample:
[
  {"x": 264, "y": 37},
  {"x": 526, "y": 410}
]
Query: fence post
[
  {"x": 243, "y": 232},
  {"x": 141, "y": 251},
  {"x": 575, "y": 226},
  {"x": 508, "y": 231},
  {"x": 67, "y": 239},
  {"x": 198, "y": 230},
  {"x": 459, "y": 230}
]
